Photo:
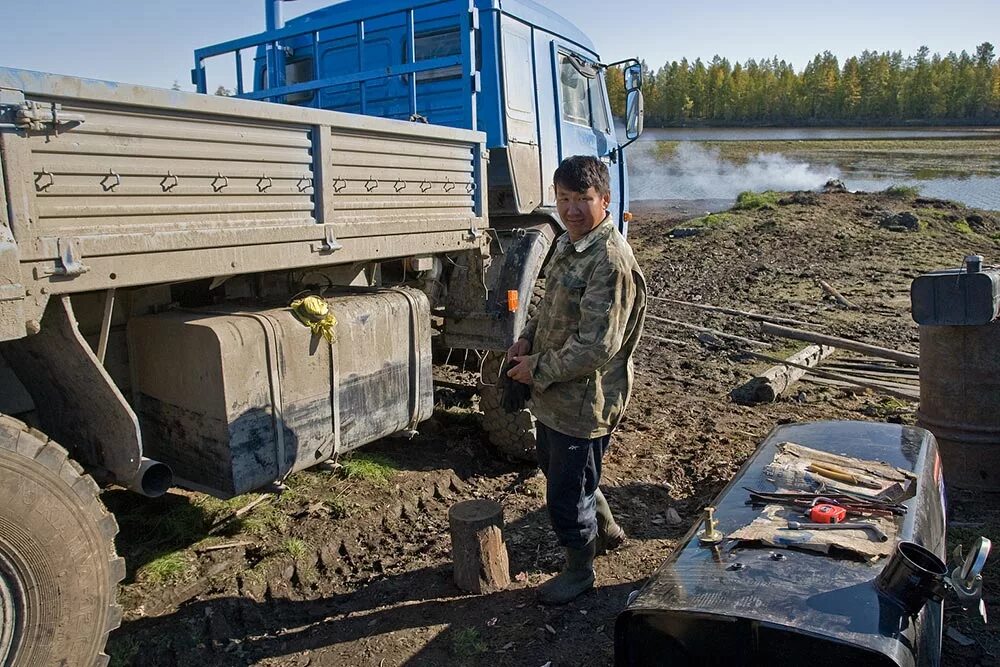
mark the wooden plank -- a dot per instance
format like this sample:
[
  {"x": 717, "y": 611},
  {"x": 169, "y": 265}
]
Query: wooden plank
[{"x": 842, "y": 343}]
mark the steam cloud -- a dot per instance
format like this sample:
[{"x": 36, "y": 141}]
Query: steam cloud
[{"x": 694, "y": 172}]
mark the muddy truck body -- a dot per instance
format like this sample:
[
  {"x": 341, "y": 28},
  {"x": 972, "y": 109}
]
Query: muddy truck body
[{"x": 152, "y": 241}]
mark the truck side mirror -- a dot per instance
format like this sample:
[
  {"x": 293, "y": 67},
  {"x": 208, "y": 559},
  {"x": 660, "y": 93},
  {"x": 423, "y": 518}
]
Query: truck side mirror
[
  {"x": 633, "y": 77},
  {"x": 633, "y": 114}
]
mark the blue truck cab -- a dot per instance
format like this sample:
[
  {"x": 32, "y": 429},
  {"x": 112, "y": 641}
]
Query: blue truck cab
[{"x": 513, "y": 69}]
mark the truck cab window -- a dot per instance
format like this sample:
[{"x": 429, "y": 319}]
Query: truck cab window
[
  {"x": 598, "y": 101},
  {"x": 296, "y": 71},
  {"x": 574, "y": 90},
  {"x": 437, "y": 44}
]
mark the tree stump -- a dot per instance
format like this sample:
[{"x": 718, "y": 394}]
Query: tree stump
[{"x": 478, "y": 551}]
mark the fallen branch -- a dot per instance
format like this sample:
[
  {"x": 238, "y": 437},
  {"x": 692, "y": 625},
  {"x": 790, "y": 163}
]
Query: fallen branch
[
  {"x": 219, "y": 525},
  {"x": 720, "y": 334},
  {"x": 776, "y": 380},
  {"x": 218, "y": 547},
  {"x": 909, "y": 396},
  {"x": 733, "y": 311},
  {"x": 842, "y": 343},
  {"x": 832, "y": 291}
]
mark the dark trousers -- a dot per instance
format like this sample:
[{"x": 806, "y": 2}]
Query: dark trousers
[{"x": 572, "y": 468}]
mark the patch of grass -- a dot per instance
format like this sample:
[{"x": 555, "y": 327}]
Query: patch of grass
[
  {"x": 372, "y": 468},
  {"x": 930, "y": 213},
  {"x": 295, "y": 547},
  {"x": 962, "y": 227},
  {"x": 263, "y": 519},
  {"x": 887, "y": 406},
  {"x": 337, "y": 505},
  {"x": 755, "y": 201},
  {"x": 467, "y": 643},
  {"x": 902, "y": 191},
  {"x": 217, "y": 509},
  {"x": 169, "y": 567}
]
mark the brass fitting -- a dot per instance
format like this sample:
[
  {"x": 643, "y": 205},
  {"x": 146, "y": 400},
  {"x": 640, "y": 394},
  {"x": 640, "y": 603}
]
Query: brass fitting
[{"x": 710, "y": 535}]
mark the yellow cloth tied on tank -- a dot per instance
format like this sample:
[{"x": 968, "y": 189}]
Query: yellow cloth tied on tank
[{"x": 314, "y": 312}]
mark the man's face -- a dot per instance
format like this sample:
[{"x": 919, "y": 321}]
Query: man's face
[{"x": 580, "y": 211}]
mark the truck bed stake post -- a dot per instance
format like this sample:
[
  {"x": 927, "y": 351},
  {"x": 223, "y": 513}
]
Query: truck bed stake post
[{"x": 109, "y": 306}]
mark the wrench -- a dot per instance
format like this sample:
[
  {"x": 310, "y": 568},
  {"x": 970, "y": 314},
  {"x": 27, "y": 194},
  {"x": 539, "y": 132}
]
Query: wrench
[{"x": 875, "y": 530}]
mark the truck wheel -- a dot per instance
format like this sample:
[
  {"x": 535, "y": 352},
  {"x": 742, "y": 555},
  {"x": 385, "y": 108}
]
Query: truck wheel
[
  {"x": 512, "y": 434},
  {"x": 58, "y": 567}
]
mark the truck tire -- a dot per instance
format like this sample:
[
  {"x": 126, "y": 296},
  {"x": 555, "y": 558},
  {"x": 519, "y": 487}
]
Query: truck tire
[
  {"x": 59, "y": 571},
  {"x": 513, "y": 434}
]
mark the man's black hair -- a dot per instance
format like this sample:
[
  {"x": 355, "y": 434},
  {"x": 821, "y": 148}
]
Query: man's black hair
[{"x": 579, "y": 172}]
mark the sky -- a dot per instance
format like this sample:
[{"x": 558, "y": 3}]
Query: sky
[{"x": 151, "y": 42}]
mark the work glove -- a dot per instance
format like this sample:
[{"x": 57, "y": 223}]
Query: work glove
[{"x": 513, "y": 394}]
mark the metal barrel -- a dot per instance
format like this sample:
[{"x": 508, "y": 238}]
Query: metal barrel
[{"x": 960, "y": 400}]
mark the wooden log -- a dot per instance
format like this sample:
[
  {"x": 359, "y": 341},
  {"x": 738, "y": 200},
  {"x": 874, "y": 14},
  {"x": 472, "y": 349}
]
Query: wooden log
[
  {"x": 776, "y": 380},
  {"x": 842, "y": 343},
  {"x": 832, "y": 291},
  {"x": 720, "y": 334},
  {"x": 733, "y": 311},
  {"x": 907, "y": 395},
  {"x": 478, "y": 551}
]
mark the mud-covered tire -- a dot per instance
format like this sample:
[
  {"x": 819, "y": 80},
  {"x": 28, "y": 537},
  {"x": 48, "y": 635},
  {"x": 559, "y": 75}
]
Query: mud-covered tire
[
  {"x": 59, "y": 571},
  {"x": 512, "y": 434}
]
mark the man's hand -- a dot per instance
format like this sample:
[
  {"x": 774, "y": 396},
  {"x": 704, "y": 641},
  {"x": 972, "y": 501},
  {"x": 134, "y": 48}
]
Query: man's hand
[
  {"x": 522, "y": 371},
  {"x": 519, "y": 349}
]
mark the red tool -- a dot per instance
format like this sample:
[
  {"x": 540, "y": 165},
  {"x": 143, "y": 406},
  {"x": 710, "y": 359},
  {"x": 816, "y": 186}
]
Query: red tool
[{"x": 825, "y": 513}]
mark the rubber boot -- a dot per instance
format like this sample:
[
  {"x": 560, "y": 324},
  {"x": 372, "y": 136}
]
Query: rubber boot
[
  {"x": 576, "y": 579},
  {"x": 610, "y": 535}
]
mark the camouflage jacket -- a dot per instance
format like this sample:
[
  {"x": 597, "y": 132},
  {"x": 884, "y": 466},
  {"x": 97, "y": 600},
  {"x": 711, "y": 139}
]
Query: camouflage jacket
[{"x": 584, "y": 334}]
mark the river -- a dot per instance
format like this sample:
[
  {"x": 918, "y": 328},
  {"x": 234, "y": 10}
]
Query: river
[{"x": 935, "y": 160}]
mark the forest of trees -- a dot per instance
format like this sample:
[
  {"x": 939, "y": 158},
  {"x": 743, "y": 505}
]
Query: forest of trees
[{"x": 873, "y": 88}]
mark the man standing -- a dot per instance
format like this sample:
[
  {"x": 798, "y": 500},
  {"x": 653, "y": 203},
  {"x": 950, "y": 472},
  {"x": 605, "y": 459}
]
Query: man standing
[{"x": 576, "y": 354}]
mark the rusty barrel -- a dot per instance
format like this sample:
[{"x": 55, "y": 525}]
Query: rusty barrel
[
  {"x": 960, "y": 400},
  {"x": 957, "y": 311}
]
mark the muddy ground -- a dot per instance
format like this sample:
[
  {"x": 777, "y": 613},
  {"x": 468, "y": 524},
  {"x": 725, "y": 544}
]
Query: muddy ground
[{"x": 350, "y": 565}]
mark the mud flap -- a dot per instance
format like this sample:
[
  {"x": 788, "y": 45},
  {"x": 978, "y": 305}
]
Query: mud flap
[
  {"x": 78, "y": 403},
  {"x": 11, "y": 293},
  {"x": 489, "y": 324}
]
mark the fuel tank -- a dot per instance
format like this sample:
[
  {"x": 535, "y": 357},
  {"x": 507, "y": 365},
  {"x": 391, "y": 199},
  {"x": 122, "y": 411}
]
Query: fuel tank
[
  {"x": 235, "y": 398},
  {"x": 737, "y": 603}
]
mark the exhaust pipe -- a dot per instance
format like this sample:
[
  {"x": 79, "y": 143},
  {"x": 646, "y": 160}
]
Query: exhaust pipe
[{"x": 152, "y": 479}]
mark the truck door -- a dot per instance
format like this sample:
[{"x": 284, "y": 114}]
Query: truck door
[{"x": 584, "y": 116}]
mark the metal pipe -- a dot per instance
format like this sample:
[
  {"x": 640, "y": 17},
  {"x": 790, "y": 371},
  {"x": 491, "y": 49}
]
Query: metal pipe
[
  {"x": 152, "y": 478},
  {"x": 272, "y": 12}
]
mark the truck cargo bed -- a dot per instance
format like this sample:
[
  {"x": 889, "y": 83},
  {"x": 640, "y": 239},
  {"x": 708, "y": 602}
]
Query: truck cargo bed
[{"x": 113, "y": 185}]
